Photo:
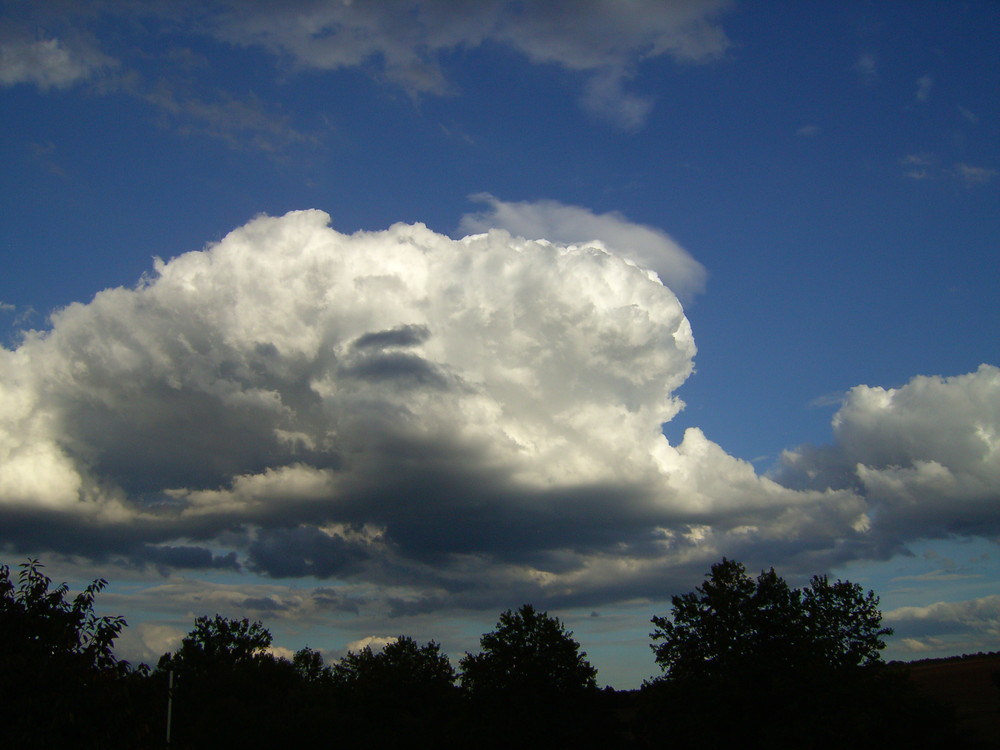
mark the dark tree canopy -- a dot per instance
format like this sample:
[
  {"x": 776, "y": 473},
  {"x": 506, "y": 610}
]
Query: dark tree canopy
[
  {"x": 752, "y": 662},
  {"x": 748, "y": 662},
  {"x": 734, "y": 624},
  {"x": 309, "y": 665},
  {"x": 528, "y": 653},
  {"x": 43, "y": 629},
  {"x": 219, "y": 642},
  {"x": 229, "y": 690},
  {"x": 401, "y": 665},
  {"x": 58, "y": 672}
]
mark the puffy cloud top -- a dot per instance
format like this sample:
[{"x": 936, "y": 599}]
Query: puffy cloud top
[
  {"x": 335, "y": 389},
  {"x": 439, "y": 422},
  {"x": 926, "y": 455},
  {"x": 645, "y": 246}
]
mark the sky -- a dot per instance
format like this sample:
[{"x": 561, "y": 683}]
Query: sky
[{"x": 377, "y": 318}]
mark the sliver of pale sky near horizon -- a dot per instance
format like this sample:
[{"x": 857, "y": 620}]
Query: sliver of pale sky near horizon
[{"x": 375, "y": 318}]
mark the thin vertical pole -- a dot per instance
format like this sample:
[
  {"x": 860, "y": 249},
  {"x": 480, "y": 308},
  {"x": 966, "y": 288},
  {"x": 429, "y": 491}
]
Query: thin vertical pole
[{"x": 170, "y": 703}]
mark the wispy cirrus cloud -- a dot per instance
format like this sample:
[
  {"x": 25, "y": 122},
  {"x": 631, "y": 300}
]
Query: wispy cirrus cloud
[
  {"x": 973, "y": 175},
  {"x": 866, "y": 67},
  {"x": 405, "y": 42},
  {"x": 924, "y": 86},
  {"x": 924, "y": 166}
]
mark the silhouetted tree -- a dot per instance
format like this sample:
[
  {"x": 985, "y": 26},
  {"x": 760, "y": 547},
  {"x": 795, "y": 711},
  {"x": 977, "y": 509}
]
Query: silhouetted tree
[
  {"x": 754, "y": 663},
  {"x": 310, "y": 666},
  {"x": 219, "y": 643},
  {"x": 529, "y": 654},
  {"x": 843, "y": 624},
  {"x": 733, "y": 624},
  {"x": 531, "y": 685},
  {"x": 230, "y": 691},
  {"x": 400, "y": 665},
  {"x": 401, "y": 691},
  {"x": 58, "y": 672}
]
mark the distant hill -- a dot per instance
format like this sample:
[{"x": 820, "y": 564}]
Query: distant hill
[{"x": 966, "y": 683}]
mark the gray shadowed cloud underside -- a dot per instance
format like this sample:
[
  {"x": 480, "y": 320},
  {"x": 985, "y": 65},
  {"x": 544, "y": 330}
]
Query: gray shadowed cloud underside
[{"x": 453, "y": 421}]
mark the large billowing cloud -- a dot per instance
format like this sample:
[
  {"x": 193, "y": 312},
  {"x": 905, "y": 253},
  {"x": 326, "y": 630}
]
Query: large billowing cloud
[{"x": 447, "y": 421}]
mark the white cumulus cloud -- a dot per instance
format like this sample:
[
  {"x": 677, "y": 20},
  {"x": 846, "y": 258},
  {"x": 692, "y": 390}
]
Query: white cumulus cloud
[
  {"x": 645, "y": 246},
  {"x": 963, "y": 626},
  {"x": 925, "y": 455},
  {"x": 440, "y": 422},
  {"x": 374, "y": 642}
]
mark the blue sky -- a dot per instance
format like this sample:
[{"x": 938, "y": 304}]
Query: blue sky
[{"x": 268, "y": 427}]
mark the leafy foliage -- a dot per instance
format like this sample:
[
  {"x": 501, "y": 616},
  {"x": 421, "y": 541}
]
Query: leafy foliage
[
  {"x": 403, "y": 690},
  {"x": 737, "y": 649},
  {"x": 42, "y": 628},
  {"x": 529, "y": 653},
  {"x": 57, "y": 664},
  {"x": 309, "y": 665},
  {"x": 532, "y": 686},
  {"x": 747, "y": 662},
  {"x": 401, "y": 664},
  {"x": 229, "y": 690},
  {"x": 843, "y": 623},
  {"x": 218, "y": 643},
  {"x": 732, "y": 624}
]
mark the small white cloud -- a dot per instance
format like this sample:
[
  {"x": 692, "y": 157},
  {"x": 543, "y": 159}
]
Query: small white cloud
[
  {"x": 646, "y": 246},
  {"x": 280, "y": 652},
  {"x": 973, "y": 176},
  {"x": 374, "y": 642},
  {"x": 936, "y": 575},
  {"x": 239, "y": 122},
  {"x": 918, "y": 166},
  {"x": 146, "y": 642},
  {"x": 967, "y": 114},
  {"x": 924, "y": 85},
  {"x": 973, "y": 615},
  {"x": 866, "y": 66},
  {"x": 808, "y": 131},
  {"x": 605, "y": 98},
  {"x": 924, "y": 645},
  {"x": 47, "y": 63}
]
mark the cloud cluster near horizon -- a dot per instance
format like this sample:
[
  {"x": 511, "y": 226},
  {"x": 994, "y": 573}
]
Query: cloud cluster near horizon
[
  {"x": 441, "y": 423},
  {"x": 925, "y": 455},
  {"x": 957, "y": 626}
]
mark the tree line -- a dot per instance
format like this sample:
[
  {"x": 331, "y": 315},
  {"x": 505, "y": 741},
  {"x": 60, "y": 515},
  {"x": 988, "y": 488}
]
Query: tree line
[{"x": 745, "y": 662}]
